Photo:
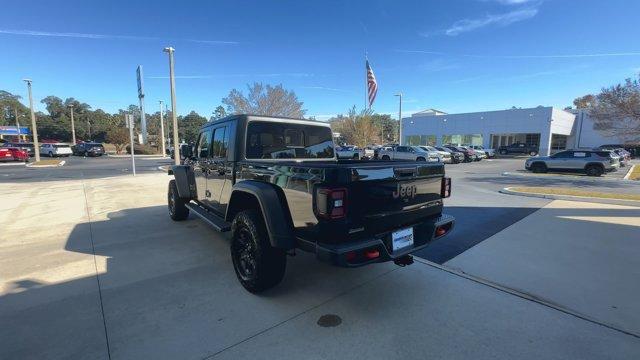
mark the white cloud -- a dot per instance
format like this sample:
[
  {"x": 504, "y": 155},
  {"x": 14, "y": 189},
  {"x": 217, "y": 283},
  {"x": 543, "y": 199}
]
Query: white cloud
[
  {"x": 270, "y": 75},
  {"x": 504, "y": 19},
  {"x": 105, "y": 36}
]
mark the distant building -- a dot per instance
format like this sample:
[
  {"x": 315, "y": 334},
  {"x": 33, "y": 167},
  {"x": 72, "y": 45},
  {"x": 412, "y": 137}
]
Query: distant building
[{"x": 550, "y": 129}]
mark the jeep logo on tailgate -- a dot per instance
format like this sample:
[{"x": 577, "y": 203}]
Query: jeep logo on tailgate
[{"x": 405, "y": 191}]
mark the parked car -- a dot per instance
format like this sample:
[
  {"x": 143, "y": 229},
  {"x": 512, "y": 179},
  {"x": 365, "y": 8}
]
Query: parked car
[
  {"x": 625, "y": 156},
  {"x": 278, "y": 186},
  {"x": 57, "y": 149},
  {"x": 349, "y": 152},
  {"x": 491, "y": 153},
  {"x": 88, "y": 149},
  {"x": 26, "y": 146},
  {"x": 414, "y": 153},
  {"x": 591, "y": 162},
  {"x": 456, "y": 156},
  {"x": 185, "y": 149},
  {"x": 469, "y": 155},
  {"x": 445, "y": 156},
  {"x": 518, "y": 148},
  {"x": 13, "y": 154},
  {"x": 371, "y": 152},
  {"x": 477, "y": 154}
]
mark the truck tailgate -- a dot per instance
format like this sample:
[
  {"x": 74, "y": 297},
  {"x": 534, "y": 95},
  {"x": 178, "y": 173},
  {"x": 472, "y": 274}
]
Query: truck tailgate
[{"x": 384, "y": 198}]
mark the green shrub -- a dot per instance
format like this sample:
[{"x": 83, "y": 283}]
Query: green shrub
[{"x": 142, "y": 149}]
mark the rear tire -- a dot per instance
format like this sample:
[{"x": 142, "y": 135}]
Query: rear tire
[
  {"x": 503, "y": 152},
  {"x": 257, "y": 264},
  {"x": 386, "y": 157},
  {"x": 533, "y": 153},
  {"x": 177, "y": 209},
  {"x": 356, "y": 156},
  {"x": 421, "y": 159},
  {"x": 594, "y": 170}
]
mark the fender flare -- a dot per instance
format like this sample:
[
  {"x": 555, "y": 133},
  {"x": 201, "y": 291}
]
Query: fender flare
[
  {"x": 185, "y": 181},
  {"x": 273, "y": 206}
]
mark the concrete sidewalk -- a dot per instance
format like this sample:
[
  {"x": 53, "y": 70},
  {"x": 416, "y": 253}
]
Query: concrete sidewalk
[
  {"x": 111, "y": 276},
  {"x": 582, "y": 256}
]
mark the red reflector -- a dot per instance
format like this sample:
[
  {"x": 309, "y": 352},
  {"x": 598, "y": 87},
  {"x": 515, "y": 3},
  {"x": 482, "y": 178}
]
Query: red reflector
[
  {"x": 350, "y": 256},
  {"x": 371, "y": 254},
  {"x": 440, "y": 231}
]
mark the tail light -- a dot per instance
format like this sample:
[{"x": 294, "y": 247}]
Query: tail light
[
  {"x": 445, "y": 187},
  {"x": 331, "y": 203}
]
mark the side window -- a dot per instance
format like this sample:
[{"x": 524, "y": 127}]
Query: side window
[
  {"x": 204, "y": 144},
  {"x": 401, "y": 149},
  {"x": 564, "y": 155},
  {"x": 580, "y": 154},
  {"x": 220, "y": 141}
]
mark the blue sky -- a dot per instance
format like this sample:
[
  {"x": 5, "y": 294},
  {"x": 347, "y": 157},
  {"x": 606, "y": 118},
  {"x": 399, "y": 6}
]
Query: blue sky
[{"x": 456, "y": 56}]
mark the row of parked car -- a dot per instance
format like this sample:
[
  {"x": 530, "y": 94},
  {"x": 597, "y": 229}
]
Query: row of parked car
[
  {"x": 450, "y": 154},
  {"x": 21, "y": 151}
]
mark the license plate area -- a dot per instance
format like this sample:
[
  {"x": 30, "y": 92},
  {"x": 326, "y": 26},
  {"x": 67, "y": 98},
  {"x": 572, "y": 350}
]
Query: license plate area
[{"x": 402, "y": 239}]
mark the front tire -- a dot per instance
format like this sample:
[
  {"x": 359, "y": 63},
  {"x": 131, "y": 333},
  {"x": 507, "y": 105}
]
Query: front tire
[
  {"x": 533, "y": 153},
  {"x": 421, "y": 159},
  {"x": 386, "y": 157},
  {"x": 538, "y": 168},
  {"x": 177, "y": 209},
  {"x": 257, "y": 264}
]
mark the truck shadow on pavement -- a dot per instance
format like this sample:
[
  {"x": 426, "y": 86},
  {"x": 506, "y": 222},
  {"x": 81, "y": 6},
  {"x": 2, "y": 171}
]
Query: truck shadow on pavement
[{"x": 169, "y": 288}]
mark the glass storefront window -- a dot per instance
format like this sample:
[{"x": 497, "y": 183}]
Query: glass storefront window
[{"x": 415, "y": 140}]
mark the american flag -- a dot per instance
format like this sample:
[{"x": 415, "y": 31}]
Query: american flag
[{"x": 372, "y": 85}]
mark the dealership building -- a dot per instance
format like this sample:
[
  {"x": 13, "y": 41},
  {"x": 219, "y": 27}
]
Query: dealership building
[{"x": 549, "y": 128}]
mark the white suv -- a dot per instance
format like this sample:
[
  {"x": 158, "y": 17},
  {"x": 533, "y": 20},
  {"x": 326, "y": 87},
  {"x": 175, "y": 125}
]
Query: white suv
[{"x": 52, "y": 150}]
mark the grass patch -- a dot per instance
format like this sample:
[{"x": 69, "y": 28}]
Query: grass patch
[
  {"x": 575, "y": 192},
  {"x": 46, "y": 162},
  {"x": 635, "y": 173}
]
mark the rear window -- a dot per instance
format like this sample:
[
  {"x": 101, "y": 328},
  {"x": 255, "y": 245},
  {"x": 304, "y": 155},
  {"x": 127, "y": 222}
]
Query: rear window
[
  {"x": 273, "y": 140},
  {"x": 604, "y": 153}
]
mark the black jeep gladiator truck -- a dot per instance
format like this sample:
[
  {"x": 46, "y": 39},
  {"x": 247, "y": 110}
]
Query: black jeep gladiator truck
[{"x": 278, "y": 186}]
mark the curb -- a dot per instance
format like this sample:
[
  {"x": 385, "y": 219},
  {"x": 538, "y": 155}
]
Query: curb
[
  {"x": 61, "y": 163},
  {"x": 508, "y": 191},
  {"x": 561, "y": 177},
  {"x": 16, "y": 163},
  {"x": 626, "y": 177},
  {"x": 138, "y": 156}
]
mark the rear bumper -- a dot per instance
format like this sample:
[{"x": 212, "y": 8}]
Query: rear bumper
[{"x": 343, "y": 254}]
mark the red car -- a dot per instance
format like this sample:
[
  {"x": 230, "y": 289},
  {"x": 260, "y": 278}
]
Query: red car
[{"x": 13, "y": 154}]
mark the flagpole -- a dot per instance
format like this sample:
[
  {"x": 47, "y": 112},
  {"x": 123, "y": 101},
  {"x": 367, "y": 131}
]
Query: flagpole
[{"x": 366, "y": 81}]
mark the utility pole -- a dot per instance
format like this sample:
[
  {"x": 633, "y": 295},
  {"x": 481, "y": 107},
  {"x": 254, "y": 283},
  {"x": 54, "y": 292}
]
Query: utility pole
[
  {"x": 34, "y": 130},
  {"x": 164, "y": 150},
  {"x": 143, "y": 120},
  {"x": 15, "y": 110},
  {"x": 172, "y": 82},
  {"x": 130, "y": 125},
  {"x": 73, "y": 127},
  {"x": 399, "y": 119}
]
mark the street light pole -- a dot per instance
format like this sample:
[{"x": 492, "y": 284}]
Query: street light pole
[
  {"x": 164, "y": 150},
  {"x": 399, "y": 118},
  {"x": 34, "y": 130},
  {"x": 15, "y": 110},
  {"x": 73, "y": 127},
  {"x": 172, "y": 82}
]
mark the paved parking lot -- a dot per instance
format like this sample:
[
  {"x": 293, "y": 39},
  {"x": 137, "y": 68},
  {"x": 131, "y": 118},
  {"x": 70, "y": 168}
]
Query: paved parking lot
[{"x": 92, "y": 267}]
